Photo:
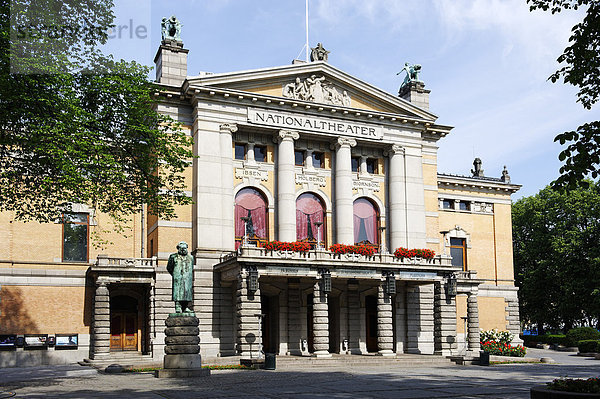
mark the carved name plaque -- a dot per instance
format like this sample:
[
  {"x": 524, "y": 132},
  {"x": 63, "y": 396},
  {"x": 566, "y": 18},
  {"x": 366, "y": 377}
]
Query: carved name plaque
[
  {"x": 319, "y": 125},
  {"x": 257, "y": 174},
  {"x": 300, "y": 179},
  {"x": 367, "y": 184}
]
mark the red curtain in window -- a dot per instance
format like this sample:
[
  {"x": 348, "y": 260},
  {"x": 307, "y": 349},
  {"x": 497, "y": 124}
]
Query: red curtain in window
[
  {"x": 365, "y": 221},
  {"x": 250, "y": 203},
  {"x": 309, "y": 210}
]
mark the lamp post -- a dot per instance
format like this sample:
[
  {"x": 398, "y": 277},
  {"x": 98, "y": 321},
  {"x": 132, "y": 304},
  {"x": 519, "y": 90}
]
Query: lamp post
[{"x": 318, "y": 224}]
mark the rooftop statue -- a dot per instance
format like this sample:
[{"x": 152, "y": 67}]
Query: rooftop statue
[
  {"x": 181, "y": 267},
  {"x": 412, "y": 73},
  {"x": 505, "y": 176},
  {"x": 477, "y": 171},
  {"x": 318, "y": 53},
  {"x": 171, "y": 28}
]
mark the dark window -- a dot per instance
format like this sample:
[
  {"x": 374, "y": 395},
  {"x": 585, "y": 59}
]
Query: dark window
[
  {"x": 318, "y": 160},
  {"x": 310, "y": 219},
  {"x": 458, "y": 251},
  {"x": 260, "y": 153},
  {"x": 447, "y": 204},
  {"x": 355, "y": 162},
  {"x": 366, "y": 222},
  {"x": 75, "y": 237},
  {"x": 299, "y": 158},
  {"x": 240, "y": 151},
  {"x": 463, "y": 205},
  {"x": 371, "y": 166}
]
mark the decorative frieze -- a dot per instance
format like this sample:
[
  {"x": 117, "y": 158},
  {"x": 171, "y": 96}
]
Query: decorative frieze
[{"x": 316, "y": 89}]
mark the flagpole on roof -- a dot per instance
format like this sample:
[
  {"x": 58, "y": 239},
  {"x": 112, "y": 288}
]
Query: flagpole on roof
[{"x": 307, "y": 47}]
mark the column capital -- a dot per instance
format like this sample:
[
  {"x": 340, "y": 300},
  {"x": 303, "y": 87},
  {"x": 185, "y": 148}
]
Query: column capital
[
  {"x": 344, "y": 141},
  {"x": 287, "y": 134},
  {"x": 394, "y": 149},
  {"x": 228, "y": 128}
]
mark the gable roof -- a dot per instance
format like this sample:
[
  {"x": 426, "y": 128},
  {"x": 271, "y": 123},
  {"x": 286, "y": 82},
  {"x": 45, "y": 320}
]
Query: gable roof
[{"x": 271, "y": 81}]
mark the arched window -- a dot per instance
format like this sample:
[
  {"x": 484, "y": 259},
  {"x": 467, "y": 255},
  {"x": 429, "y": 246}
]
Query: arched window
[
  {"x": 366, "y": 222},
  {"x": 251, "y": 215},
  {"x": 310, "y": 219}
]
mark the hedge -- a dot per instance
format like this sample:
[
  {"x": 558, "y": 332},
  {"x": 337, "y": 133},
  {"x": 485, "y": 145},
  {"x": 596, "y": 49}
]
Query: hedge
[
  {"x": 550, "y": 339},
  {"x": 581, "y": 333},
  {"x": 589, "y": 346}
]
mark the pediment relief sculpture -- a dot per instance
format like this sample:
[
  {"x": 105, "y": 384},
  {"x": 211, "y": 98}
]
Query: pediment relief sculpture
[{"x": 316, "y": 89}]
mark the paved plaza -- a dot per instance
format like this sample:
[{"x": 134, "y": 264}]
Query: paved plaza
[{"x": 500, "y": 381}]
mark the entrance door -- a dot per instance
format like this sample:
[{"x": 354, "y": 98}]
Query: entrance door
[
  {"x": 334, "y": 323},
  {"x": 371, "y": 322},
  {"x": 123, "y": 324},
  {"x": 270, "y": 326}
]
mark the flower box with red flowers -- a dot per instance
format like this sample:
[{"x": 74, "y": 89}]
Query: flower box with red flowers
[
  {"x": 296, "y": 246},
  {"x": 403, "y": 253},
  {"x": 361, "y": 249}
]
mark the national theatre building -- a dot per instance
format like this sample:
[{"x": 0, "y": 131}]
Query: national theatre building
[{"x": 304, "y": 154}]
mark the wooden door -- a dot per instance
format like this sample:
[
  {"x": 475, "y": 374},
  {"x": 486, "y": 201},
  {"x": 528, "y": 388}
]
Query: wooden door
[
  {"x": 123, "y": 332},
  {"x": 371, "y": 323}
]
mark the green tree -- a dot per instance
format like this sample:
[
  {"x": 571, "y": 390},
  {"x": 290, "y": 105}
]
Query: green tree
[
  {"x": 557, "y": 256},
  {"x": 581, "y": 68},
  {"x": 76, "y": 126}
]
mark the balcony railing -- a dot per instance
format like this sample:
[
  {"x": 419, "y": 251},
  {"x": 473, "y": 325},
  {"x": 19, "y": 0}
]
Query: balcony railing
[
  {"x": 247, "y": 253},
  {"x": 107, "y": 261}
]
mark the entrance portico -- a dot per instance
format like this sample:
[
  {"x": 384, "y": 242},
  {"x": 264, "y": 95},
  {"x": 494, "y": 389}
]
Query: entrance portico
[{"x": 318, "y": 303}]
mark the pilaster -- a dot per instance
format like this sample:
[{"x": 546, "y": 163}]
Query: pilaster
[
  {"x": 343, "y": 191},
  {"x": 396, "y": 187},
  {"x": 385, "y": 332},
  {"x": 294, "y": 318},
  {"x": 226, "y": 144},
  {"x": 249, "y": 335},
  {"x": 320, "y": 322},
  {"x": 354, "y": 319},
  {"x": 286, "y": 186},
  {"x": 101, "y": 322},
  {"x": 444, "y": 321},
  {"x": 473, "y": 321}
]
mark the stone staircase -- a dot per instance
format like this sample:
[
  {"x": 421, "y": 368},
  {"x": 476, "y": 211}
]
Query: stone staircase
[
  {"x": 336, "y": 361},
  {"x": 125, "y": 359}
]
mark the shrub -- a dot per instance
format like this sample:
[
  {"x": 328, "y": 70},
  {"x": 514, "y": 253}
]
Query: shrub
[
  {"x": 588, "y": 345},
  {"x": 503, "y": 337},
  {"x": 591, "y": 385},
  {"x": 581, "y": 333},
  {"x": 503, "y": 349},
  {"x": 551, "y": 339}
]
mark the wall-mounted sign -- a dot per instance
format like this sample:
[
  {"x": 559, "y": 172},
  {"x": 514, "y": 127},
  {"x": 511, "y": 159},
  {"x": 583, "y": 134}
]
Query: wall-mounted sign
[
  {"x": 368, "y": 184},
  {"x": 246, "y": 173},
  {"x": 64, "y": 341},
  {"x": 310, "y": 123},
  {"x": 8, "y": 341},
  {"x": 416, "y": 276},
  {"x": 36, "y": 340},
  {"x": 302, "y": 178},
  {"x": 356, "y": 273}
]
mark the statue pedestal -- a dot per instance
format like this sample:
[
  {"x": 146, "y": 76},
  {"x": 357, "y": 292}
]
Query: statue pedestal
[{"x": 182, "y": 352}]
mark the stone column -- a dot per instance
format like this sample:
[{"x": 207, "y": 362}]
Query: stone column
[
  {"x": 385, "y": 332},
  {"x": 343, "y": 191},
  {"x": 228, "y": 234},
  {"x": 396, "y": 189},
  {"x": 249, "y": 336},
  {"x": 320, "y": 322},
  {"x": 354, "y": 320},
  {"x": 294, "y": 318},
  {"x": 472, "y": 321},
  {"x": 444, "y": 316},
  {"x": 286, "y": 186},
  {"x": 100, "y": 346}
]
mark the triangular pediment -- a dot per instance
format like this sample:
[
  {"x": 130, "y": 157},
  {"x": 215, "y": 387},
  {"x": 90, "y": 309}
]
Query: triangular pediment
[{"x": 314, "y": 82}]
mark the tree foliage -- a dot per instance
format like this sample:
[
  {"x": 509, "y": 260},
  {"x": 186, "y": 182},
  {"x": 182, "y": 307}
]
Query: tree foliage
[
  {"x": 76, "y": 126},
  {"x": 581, "y": 68},
  {"x": 557, "y": 256}
]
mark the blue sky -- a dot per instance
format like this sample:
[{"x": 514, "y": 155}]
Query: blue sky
[{"x": 486, "y": 63}]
